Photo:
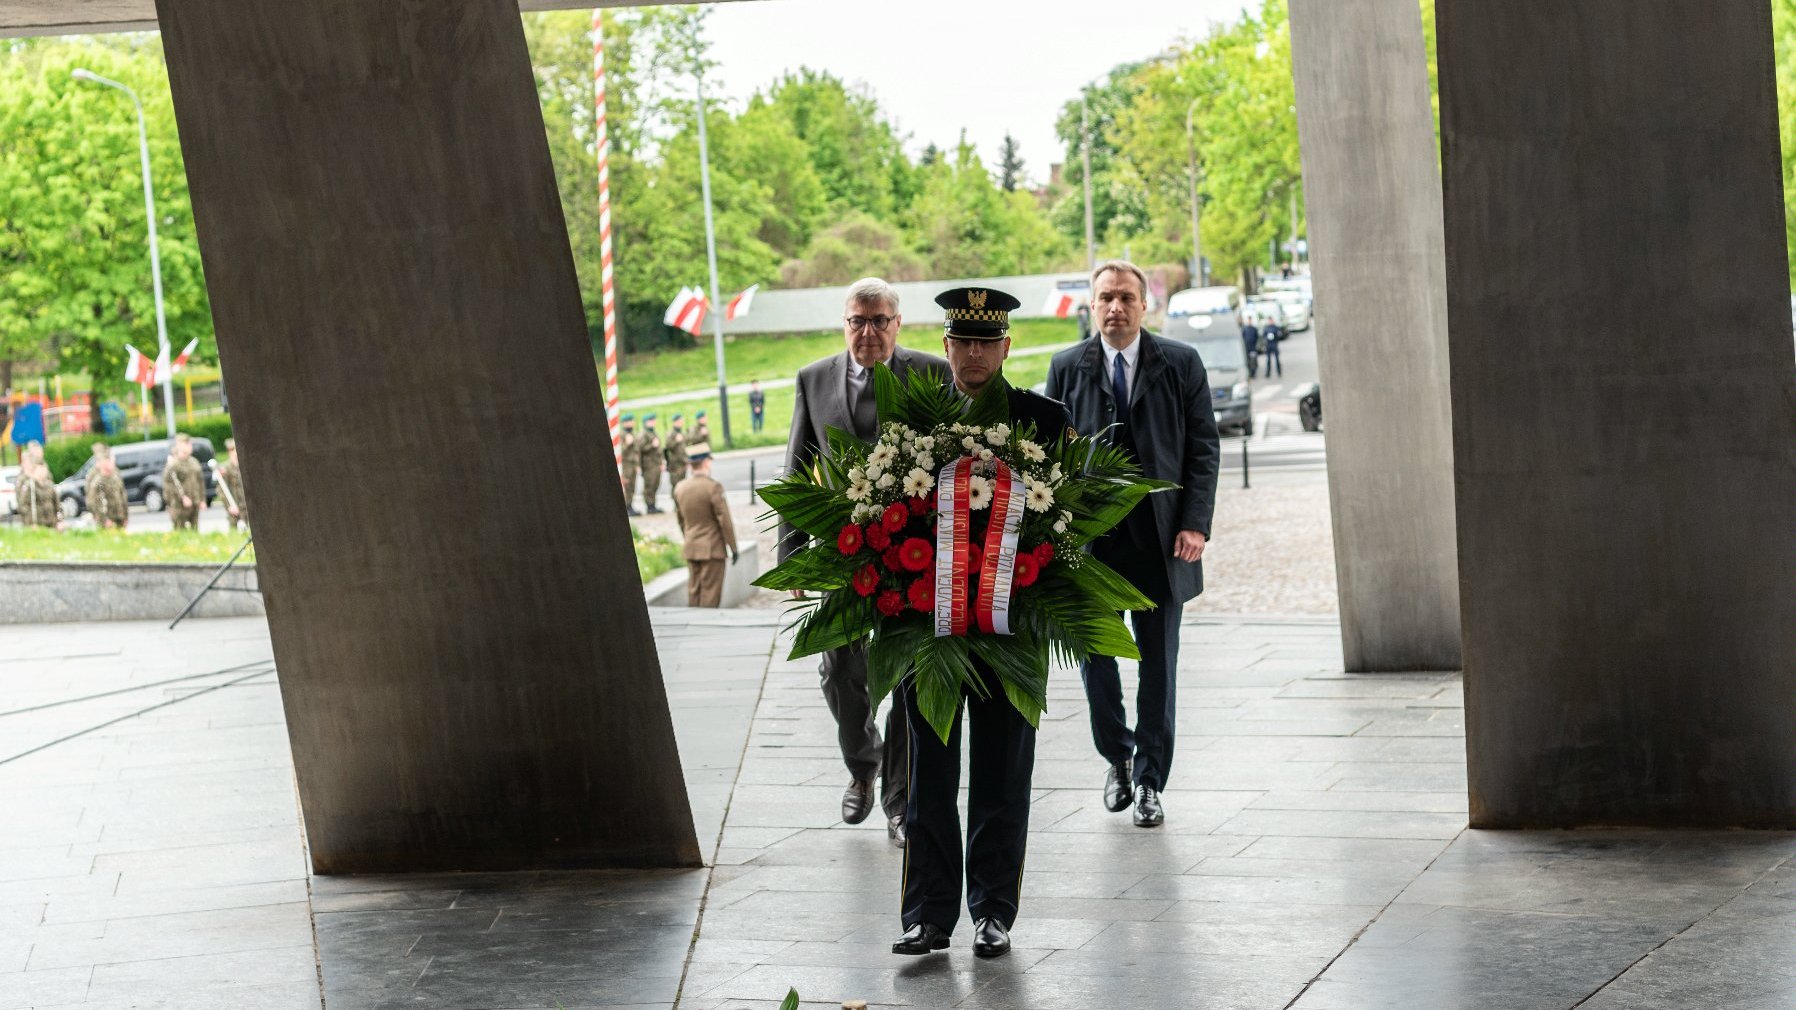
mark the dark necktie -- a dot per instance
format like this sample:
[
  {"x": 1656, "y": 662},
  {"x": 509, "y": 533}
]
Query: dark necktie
[
  {"x": 864, "y": 407},
  {"x": 1119, "y": 387}
]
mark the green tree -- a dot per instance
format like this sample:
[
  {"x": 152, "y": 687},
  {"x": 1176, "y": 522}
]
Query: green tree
[
  {"x": 966, "y": 226},
  {"x": 1783, "y": 25},
  {"x": 857, "y": 246},
  {"x": 75, "y": 281},
  {"x": 855, "y": 151},
  {"x": 1010, "y": 164}
]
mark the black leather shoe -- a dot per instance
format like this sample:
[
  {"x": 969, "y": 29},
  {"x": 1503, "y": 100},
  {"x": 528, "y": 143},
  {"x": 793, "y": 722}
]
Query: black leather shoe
[
  {"x": 857, "y": 802},
  {"x": 1148, "y": 812},
  {"x": 921, "y": 939},
  {"x": 895, "y": 830},
  {"x": 1117, "y": 789},
  {"x": 990, "y": 938}
]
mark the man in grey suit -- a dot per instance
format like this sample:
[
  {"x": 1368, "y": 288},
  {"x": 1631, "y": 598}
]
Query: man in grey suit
[
  {"x": 1152, "y": 397},
  {"x": 837, "y": 392}
]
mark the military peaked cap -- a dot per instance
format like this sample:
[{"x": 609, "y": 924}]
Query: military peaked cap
[{"x": 977, "y": 313}]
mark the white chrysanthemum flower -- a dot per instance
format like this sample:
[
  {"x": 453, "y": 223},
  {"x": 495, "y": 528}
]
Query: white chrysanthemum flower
[
  {"x": 881, "y": 456},
  {"x": 873, "y": 472},
  {"x": 859, "y": 490},
  {"x": 1060, "y": 524},
  {"x": 979, "y": 493},
  {"x": 925, "y": 462},
  {"x": 1040, "y": 497},
  {"x": 1030, "y": 451},
  {"x": 885, "y": 480},
  {"x": 918, "y": 482},
  {"x": 969, "y": 443},
  {"x": 985, "y": 455},
  {"x": 925, "y": 443},
  {"x": 998, "y": 434},
  {"x": 856, "y": 475}
]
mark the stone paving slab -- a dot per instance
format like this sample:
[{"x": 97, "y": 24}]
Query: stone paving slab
[{"x": 1315, "y": 857}]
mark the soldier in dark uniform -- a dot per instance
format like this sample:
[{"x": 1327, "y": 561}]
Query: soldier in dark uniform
[
  {"x": 675, "y": 453},
  {"x": 1001, "y": 747},
  {"x": 105, "y": 491},
  {"x": 629, "y": 461},
  {"x": 649, "y": 446}
]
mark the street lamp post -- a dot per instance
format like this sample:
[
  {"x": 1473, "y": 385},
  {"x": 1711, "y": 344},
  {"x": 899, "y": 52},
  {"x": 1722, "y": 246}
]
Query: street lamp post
[
  {"x": 149, "y": 213},
  {"x": 1091, "y": 242},
  {"x": 717, "y": 309},
  {"x": 1198, "y": 273}
]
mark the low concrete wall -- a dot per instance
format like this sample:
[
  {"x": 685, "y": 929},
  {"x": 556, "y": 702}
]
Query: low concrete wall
[
  {"x": 40, "y": 593},
  {"x": 669, "y": 590}
]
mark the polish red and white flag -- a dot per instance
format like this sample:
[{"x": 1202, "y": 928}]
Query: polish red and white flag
[
  {"x": 1061, "y": 304},
  {"x": 186, "y": 352},
  {"x": 738, "y": 306},
  {"x": 139, "y": 368},
  {"x": 688, "y": 311}
]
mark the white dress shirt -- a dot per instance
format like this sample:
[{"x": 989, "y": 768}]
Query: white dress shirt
[{"x": 1130, "y": 355}]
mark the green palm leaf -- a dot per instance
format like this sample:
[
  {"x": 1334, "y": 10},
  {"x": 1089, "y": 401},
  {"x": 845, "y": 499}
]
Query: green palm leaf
[
  {"x": 838, "y": 619},
  {"x": 819, "y": 567}
]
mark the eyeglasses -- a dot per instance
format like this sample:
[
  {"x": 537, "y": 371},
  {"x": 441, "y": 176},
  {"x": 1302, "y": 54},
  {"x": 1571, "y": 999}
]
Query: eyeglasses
[{"x": 862, "y": 322}]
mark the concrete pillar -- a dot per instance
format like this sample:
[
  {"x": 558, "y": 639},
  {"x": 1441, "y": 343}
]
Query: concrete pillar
[
  {"x": 1372, "y": 182},
  {"x": 465, "y": 655},
  {"x": 1624, "y": 427}
]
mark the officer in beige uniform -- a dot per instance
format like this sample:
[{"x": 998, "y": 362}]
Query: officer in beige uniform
[{"x": 704, "y": 519}]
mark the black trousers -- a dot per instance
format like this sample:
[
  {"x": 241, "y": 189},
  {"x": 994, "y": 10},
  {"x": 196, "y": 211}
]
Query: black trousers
[
  {"x": 1150, "y": 743},
  {"x": 844, "y": 674},
  {"x": 1001, "y": 749},
  {"x": 1272, "y": 360}
]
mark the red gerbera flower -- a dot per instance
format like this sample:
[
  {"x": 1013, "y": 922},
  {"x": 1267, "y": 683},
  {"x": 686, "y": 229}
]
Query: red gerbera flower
[
  {"x": 891, "y": 559},
  {"x": 894, "y": 517},
  {"x": 915, "y": 554},
  {"x": 877, "y": 537},
  {"x": 849, "y": 540},
  {"x": 866, "y": 580},
  {"x": 890, "y": 603},
  {"x": 1044, "y": 553},
  {"x": 975, "y": 558},
  {"x": 919, "y": 504},
  {"x": 922, "y": 594},
  {"x": 1027, "y": 569}
]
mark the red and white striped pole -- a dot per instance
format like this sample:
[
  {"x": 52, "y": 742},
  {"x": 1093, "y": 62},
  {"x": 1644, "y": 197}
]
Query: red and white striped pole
[{"x": 602, "y": 145}]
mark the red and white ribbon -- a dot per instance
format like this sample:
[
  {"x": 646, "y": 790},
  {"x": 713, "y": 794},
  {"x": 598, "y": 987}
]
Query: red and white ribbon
[
  {"x": 991, "y": 607},
  {"x": 995, "y": 581},
  {"x": 952, "y": 494}
]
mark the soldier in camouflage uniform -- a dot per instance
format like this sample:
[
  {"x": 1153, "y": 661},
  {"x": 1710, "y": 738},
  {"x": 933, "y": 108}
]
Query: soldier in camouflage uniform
[
  {"x": 651, "y": 464},
  {"x": 230, "y": 478},
  {"x": 105, "y": 491},
  {"x": 630, "y": 460},
  {"x": 183, "y": 485},
  {"x": 36, "y": 495},
  {"x": 675, "y": 454}
]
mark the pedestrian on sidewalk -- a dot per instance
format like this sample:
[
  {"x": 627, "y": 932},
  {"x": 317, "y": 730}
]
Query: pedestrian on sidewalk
[
  {"x": 1270, "y": 336},
  {"x": 757, "y": 405},
  {"x": 1250, "y": 339},
  {"x": 704, "y": 518},
  {"x": 837, "y": 392},
  {"x": 1153, "y": 397}
]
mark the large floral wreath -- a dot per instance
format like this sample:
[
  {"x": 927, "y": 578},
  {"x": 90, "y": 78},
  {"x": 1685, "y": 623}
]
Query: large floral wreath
[{"x": 955, "y": 536}]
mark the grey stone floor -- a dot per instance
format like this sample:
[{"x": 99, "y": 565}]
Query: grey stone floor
[{"x": 1315, "y": 857}]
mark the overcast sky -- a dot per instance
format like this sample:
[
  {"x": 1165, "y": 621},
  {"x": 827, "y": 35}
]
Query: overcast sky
[{"x": 938, "y": 66}]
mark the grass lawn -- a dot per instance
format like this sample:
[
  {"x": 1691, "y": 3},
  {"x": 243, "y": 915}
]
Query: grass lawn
[
  {"x": 654, "y": 555},
  {"x": 780, "y": 356}
]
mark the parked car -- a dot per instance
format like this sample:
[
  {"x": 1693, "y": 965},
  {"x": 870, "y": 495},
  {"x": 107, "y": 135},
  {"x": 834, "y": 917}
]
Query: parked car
[
  {"x": 9, "y": 496},
  {"x": 1296, "y": 306},
  {"x": 1226, "y": 362},
  {"x": 140, "y": 466},
  {"x": 1204, "y": 314},
  {"x": 1309, "y": 406}
]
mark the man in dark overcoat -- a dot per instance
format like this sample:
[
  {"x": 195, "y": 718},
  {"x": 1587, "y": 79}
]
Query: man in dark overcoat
[{"x": 1151, "y": 396}]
